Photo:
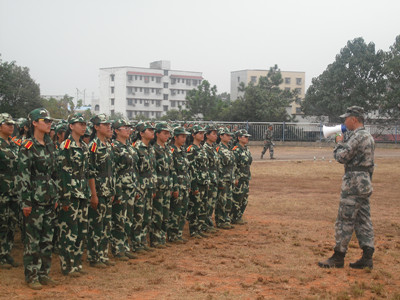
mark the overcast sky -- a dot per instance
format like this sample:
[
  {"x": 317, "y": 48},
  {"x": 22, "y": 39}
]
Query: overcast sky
[{"x": 64, "y": 43}]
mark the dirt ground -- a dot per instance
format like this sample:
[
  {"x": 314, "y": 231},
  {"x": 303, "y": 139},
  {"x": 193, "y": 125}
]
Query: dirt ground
[{"x": 291, "y": 213}]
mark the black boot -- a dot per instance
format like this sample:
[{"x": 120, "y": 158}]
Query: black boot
[
  {"x": 335, "y": 261},
  {"x": 365, "y": 261}
]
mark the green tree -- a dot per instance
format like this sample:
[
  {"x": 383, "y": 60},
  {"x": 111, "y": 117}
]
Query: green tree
[
  {"x": 262, "y": 102},
  {"x": 354, "y": 78},
  {"x": 19, "y": 93},
  {"x": 177, "y": 115},
  {"x": 390, "y": 104},
  {"x": 59, "y": 109},
  {"x": 203, "y": 101}
]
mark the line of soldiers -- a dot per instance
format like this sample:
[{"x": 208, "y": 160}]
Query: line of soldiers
[{"x": 115, "y": 187}]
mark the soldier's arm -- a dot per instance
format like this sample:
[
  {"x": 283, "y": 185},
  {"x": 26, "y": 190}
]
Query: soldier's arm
[{"x": 24, "y": 175}]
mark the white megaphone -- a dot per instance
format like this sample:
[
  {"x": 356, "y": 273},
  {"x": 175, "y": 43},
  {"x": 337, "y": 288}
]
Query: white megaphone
[{"x": 328, "y": 131}]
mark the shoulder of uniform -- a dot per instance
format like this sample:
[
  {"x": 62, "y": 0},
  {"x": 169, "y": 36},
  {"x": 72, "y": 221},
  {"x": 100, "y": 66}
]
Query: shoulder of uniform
[
  {"x": 189, "y": 148},
  {"x": 28, "y": 144},
  {"x": 172, "y": 150},
  {"x": 93, "y": 147},
  {"x": 66, "y": 144},
  {"x": 218, "y": 147},
  {"x": 234, "y": 148},
  {"x": 133, "y": 144}
]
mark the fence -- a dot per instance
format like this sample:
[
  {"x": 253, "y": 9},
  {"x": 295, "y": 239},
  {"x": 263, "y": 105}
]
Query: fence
[{"x": 308, "y": 132}]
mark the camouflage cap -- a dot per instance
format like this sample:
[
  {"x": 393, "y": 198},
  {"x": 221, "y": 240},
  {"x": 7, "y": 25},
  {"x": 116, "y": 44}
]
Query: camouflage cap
[
  {"x": 100, "y": 119},
  {"x": 22, "y": 122},
  {"x": 120, "y": 123},
  {"x": 242, "y": 132},
  {"x": 210, "y": 127},
  {"x": 88, "y": 131},
  {"x": 180, "y": 130},
  {"x": 61, "y": 127},
  {"x": 197, "y": 128},
  {"x": 356, "y": 111},
  {"x": 39, "y": 113},
  {"x": 160, "y": 126},
  {"x": 6, "y": 118},
  {"x": 224, "y": 130},
  {"x": 76, "y": 117},
  {"x": 142, "y": 126}
]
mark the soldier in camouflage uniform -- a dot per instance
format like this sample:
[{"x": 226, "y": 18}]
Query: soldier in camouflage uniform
[
  {"x": 356, "y": 152},
  {"x": 73, "y": 166},
  {"x": 198, "y": 199},
  {"x": 226, "y": 175},
  {"x": 213, "y": 171},
  {"x": 102, "y": 188},
  {"x": 243, "y": 161},
  {"x": 9, "y": 206},
  {"x": 146, "y": 186},
  {"x": 125, "y": 168},
  {"x": 161, "y": 203},
  {"x": 268, "y": 144},
  {"x": 180, "y": 187},
  {"x": 36, "y": 177}
]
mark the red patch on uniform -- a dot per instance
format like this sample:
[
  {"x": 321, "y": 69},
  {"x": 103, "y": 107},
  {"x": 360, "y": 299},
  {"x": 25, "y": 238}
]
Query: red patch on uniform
[
  {"x": 28, "y": 145},
  {"x": 94, "y": 147},
  {"x": 67, "y": 144}
]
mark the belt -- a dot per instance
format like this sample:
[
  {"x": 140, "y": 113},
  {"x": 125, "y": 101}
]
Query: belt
[{"x": 358, "y": 168}]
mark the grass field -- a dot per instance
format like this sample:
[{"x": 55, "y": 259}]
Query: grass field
[{"x": 291, "y": 213}]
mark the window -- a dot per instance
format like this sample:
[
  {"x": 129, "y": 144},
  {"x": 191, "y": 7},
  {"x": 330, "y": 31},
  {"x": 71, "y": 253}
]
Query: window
[
  {"x": 130, "y": 90},
  {"x": 146, "y": 90},
  {"x": 97, "y": 107},
  {"x": 165, "y": 96},
  {"x": 158, "y": 103},
  {"x": 158, "y": 114},
  {"x": 253, "y": 79},
  {"x": 129, "y": 101},
  {"x": 165, "y": 107},
  {"x": 147, "y": 114},
  {"x": 140, "y": 77},
  {"x": 140, "y": 89},
  {"x": 238, "y": 79},
  {"x": 298, "y": 81},
  {"x": 152, "y": 78},
  {"x": 172, "y": 103},
  {"x": 135, "y": 101},
  {"x": 165, "y": 85},
  {"x": 130, "y": 77},
  {"x": 112, "y": 112},
  {"x": 135, "y": 89},
  {"x": 188, "y": 82},
  {"x": 152, "y": 102},
  {"x": 129, "y": 113},
  {"x": 173, "y": 92},
  {"x": 287, "y": 80},
  {"x": 173, "y": 80},
  {"x": 158, "y": 79},
  {"x": 152, "y": 90},
  {"x": 112, "y": 90},
  {"x": 158, "y": 91},
  {"x": 165, "y": 72},
  {"x": 112, "y": 101},
  {"x": 298, "y": 91},
  {"x": 194, "y": 82},
  {"x": 179, "y": 91},
  {"x": 152, "y": 113},
  {"x": 146, "y": 79},
  {"x": 146, "y": 103},
  {"x": 179, "y": 80},
  {"x": 112, "y": 77},
  {"x": 140, "y": 101},
  {"x": 135, "y": 77}
]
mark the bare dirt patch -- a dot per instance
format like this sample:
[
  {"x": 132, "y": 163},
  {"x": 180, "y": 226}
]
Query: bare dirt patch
[{"x": 292, "y": 208}]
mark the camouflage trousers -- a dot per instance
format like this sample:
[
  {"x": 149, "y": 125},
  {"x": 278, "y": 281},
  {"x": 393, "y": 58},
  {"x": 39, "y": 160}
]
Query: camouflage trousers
[
  {"x": 99, "y": 230},
  {"x": 161, "y": 206},
  {"x": 73, "y": 230},
  {"x": 9, "y": 219},
  {"x": 224, "y": 204},
  {"x": 178, "y": 211},
  {"x": 210, "y": 205},
  {"x": 197, "y": 210},
  {"x": 141, "y": 219},
  {"x": 119, "y": 220},
  {"x": 39, "y": 229},
  {"x": 354, "y": 215},
  {"x": 240, "y": 197},
  {"x": 129, "y": 221},
  {"x": 268, "y": 146}
]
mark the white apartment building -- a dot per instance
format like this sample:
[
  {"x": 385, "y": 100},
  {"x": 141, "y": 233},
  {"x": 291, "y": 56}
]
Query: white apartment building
[
  {"x": 294, "y": 81},
  {"x": 134, "y": 91}
]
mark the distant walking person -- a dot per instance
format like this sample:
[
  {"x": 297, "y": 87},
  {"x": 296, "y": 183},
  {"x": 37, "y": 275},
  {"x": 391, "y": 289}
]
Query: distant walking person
[
  {"x": 356, "y": 152},
  {"x": 268, "y": 144}
]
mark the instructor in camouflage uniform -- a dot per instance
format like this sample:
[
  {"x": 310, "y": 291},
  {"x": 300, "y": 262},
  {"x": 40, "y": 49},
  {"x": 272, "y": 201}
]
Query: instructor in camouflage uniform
[
  {"x": 356, "y": 151},
  {"x": 36, "y": 177}
]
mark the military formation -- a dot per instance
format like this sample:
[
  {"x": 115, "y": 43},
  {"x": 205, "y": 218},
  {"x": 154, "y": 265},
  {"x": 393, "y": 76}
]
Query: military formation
[{"x": 113, "y": 188}]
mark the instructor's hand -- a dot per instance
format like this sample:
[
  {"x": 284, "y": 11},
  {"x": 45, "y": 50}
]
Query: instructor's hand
[{"x": 94, "y": 201}]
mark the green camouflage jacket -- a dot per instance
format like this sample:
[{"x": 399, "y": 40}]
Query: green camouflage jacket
[
  {"x": 125, "y": 167},
  {"x": 163, "y": 166},
  {"x": 198, "y": 159},
  {"x": 8, "y": 167},
  {"x": 213, "y": 163},
  {"x": 243, "y": 161},
  {"x": 73, "y": 167},
  {"x": 101, "y": 167},
  {"x": 227, "y": 163},
  {"x": 180, "y": 171},
  {"x": 146, "y": 166},
  {"x": 36, "y": 174}
]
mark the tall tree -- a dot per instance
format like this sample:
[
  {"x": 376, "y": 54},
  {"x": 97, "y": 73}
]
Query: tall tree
[
  {"x": 203, "y": 101},
  {"x": 59, "y": 109},
  {"x": 390, "y": 104},
  {"x": 265, "y": 101},
  {"x": 354, "y": 78},
  {"x": 19, "y": 93}
]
